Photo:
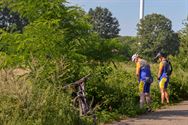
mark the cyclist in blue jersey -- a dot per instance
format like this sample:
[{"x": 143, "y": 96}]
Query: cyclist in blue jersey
[
  {"x": 145, "y": 79},
  {"x": 163, "y": 77}
]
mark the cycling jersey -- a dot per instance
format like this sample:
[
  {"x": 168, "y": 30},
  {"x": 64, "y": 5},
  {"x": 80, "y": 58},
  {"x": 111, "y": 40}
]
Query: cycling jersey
[
  {"x": 143, "y": 70},
  {"x": 163, "y": 79},
  {"x": 163, "y": 66}
]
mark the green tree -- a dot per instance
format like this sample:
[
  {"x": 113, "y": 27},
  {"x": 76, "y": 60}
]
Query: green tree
[
  {"x": 183, "y": 49},
  {"x": 105, "y": 50},
  {"x": 11, "y": 21},
  {"x": 156, "y": 34},
  {"x": 59, "y": 32},
  {"x": 103, "y": 22},
  {"x": 48, "y": 47},
  {"x": 132, "y": 42},
  {"x": 50, "y": 31}
]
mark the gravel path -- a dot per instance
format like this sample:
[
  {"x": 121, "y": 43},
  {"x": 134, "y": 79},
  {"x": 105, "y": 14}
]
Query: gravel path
[{"x": 171, "y": 115}]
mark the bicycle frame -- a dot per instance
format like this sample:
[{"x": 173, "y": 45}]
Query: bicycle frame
[
  {"x": 84, "y": 108},
  {"x": 83, "y": 105}
]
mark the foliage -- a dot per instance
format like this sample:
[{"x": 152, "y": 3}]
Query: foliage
[
  {"x": 105, "y": 50},
  {"x": 48, "y": 36},
  {"x": 57, "y": 47},
  {"x": 11, "y": 21},
  {"x": 132, "y": 42},
  {"x": 103, "y": 22},
  {"x": 156, "y": 35},
  {"x": 31, "y": 100},
  {"x": 115, "y": 91},
  {"x": 44, "y": 43},
  {"x": 33, "y": 9},
  {"x": 182, "y": 59}
]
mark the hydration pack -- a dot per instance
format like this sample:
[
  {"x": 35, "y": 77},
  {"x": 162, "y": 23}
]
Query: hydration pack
[{"x": 169, "y": 68}]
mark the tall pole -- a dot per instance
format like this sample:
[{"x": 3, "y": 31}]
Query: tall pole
[
  {"x": 141, "y": 9},
  {"x": 141, "y": 16}
]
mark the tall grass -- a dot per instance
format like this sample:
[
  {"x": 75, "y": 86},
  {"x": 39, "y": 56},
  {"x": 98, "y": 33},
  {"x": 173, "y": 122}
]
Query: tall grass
[
  {"x": 27, "y": 101},
  {"x": 34, "y": 96},
  {"x": 116, "y": 90}
]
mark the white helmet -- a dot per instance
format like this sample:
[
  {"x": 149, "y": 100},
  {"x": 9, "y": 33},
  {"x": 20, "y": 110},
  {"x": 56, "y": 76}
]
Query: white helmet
[{"x": 134, "y": 57}]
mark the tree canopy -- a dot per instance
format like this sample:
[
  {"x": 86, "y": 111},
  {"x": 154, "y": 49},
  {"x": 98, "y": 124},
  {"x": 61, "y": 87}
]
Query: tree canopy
[
  {"x": 156, "y": 34},
  {"x": 11, "y": 21},
  {"x": 49, "y": 34},
  {"x": 183, "y": 49},
  {"x": 103, "y": 22}
]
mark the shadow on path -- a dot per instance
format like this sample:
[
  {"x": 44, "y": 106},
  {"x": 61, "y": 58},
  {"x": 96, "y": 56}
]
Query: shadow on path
[
  {"x": 171, "y": 115},
  {"x": 166, "y": 114}
]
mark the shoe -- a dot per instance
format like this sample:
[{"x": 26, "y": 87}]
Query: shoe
[{"x": 148, "y": 109}]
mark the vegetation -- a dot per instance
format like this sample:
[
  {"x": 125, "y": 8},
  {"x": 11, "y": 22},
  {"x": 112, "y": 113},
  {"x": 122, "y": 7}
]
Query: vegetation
[
  {"x": 103, "y": 22},
  {"x": 31, "y": 100},
  {"x": 156, "y": 35},
  {"x": 58, "y": 46},
  {"x": 11, "y": 21}
]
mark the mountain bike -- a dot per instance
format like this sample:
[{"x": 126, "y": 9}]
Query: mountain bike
[{"x": 80, "y": 100}]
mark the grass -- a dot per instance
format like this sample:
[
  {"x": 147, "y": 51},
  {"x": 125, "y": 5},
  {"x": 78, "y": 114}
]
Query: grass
[
  {"x": 27, "y": 102},
  {"x": 125, "y": 88}
]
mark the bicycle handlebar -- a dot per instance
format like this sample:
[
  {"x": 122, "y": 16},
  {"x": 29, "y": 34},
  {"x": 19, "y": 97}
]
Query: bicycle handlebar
[{"x": 78, "y": 82}]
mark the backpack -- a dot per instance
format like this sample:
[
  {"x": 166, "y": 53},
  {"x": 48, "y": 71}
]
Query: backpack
[
  {"x": 169, "y": 68},
  {"x": 149, "y": 79}
]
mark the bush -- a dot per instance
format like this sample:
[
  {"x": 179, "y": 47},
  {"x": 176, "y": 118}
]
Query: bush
[{"x": 28, "y": 101}]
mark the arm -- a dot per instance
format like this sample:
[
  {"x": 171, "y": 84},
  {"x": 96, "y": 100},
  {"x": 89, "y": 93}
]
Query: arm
[
  {"x": 138, "y": 70},
  {"x": 160, "y": 70}
]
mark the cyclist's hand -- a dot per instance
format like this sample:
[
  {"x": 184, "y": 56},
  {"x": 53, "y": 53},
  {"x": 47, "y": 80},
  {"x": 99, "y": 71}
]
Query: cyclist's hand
[{"x": 158, "y": 79}]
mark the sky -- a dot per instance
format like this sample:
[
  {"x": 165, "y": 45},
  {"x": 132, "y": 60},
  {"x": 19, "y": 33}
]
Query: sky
[{"x": 127, "y": 11}]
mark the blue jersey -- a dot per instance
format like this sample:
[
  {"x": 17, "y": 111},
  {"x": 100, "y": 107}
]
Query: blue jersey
[
  {"x": 163, "y": 66},
  {"x": 144, "y": 70}
]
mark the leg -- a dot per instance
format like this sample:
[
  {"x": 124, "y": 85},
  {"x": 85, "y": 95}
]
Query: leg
[
  {"x": 146, "y": 92},
  {"x": 166, "y": 96},
  {"x": 148, "y": 98},
  {"x": 147, "y": 95},
  {"x": 162, "y": 89},
  {"x": 162, "y": 96},
  {"x": 141, "y": 90},
  {"x": 165, "y": 91},
  {"x": 142, "y": 100}
]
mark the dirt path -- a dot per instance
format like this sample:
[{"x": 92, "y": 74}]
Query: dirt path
[{"x": 171, "y": 115}]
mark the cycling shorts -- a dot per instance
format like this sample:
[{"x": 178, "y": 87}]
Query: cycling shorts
[
  {"x": 144, "y": 87},
  {"x": 163, "y": 83}
]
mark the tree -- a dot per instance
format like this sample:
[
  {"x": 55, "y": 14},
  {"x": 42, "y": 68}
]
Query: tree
[
  {"x": 132, "y": 42},
  {"x": 103, "y": 22},
  {"x": 54, "y": 31},
  {"x": 183, "y": 49},
  {"x": 156, "y": 34},
  {"x": 11, "y": 21}
]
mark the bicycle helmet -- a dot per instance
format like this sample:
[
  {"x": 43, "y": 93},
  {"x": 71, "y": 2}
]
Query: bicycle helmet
[
  {"x": 160, "y": 54},
  {"x": 134, "y": 57}
]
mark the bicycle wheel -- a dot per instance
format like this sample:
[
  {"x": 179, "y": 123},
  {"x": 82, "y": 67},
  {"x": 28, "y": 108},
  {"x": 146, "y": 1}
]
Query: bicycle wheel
[{"x": 80, "y": 101}]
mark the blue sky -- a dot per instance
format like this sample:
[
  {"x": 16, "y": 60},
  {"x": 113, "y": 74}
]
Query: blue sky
[{"x": 127, "y": 11}]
